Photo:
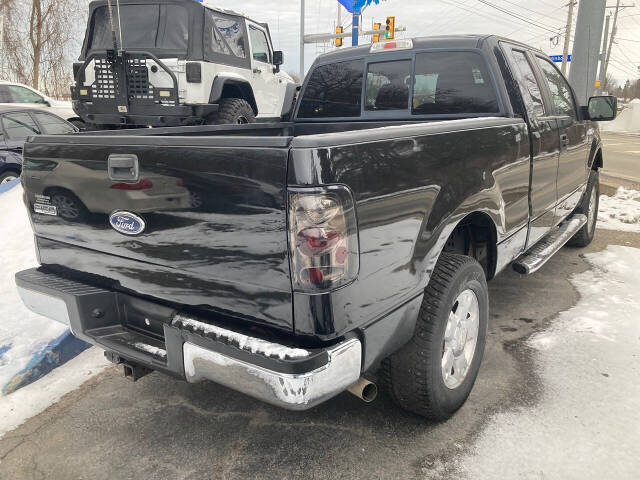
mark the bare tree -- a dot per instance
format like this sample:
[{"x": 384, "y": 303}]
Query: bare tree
[{"x": 41, "y": 37}]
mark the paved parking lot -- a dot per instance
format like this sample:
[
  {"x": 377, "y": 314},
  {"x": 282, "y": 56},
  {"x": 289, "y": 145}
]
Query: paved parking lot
[{"x": 162, "y": 428}]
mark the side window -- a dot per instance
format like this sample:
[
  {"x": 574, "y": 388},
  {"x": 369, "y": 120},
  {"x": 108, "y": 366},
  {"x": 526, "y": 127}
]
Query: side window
[
  {"x": 388, "y": 85},
  {"x": 559, "y": 88},
  {"x": 53, "y": 125},
  {"x": 259, "y": 45},
  {"x": 333, "y": 90},
  {"x": 232, "y": 30},
  {"x": 24, "y": 95},
  {"x": 18, "y": 126},
  {"x": 452, "y": 83},
  {"x": 5, "y": 96},
  {"x": 528, "y": 83}
]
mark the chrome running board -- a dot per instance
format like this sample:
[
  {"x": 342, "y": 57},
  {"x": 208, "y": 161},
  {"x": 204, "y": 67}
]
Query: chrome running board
[{"x": 537, "y": 256}]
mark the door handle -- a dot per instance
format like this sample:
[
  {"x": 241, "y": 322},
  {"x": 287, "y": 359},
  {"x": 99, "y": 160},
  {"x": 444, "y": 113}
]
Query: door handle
[{"x": 257, "y": 70}]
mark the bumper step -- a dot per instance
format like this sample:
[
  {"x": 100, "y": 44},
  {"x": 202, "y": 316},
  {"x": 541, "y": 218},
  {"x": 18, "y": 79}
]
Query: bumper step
[{"x": 541, "y": 252}]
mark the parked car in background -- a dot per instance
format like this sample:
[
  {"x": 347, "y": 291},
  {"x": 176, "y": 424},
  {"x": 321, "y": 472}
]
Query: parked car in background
[
  {"x": 179, "y": 63},
  {"x": 18, "y": 123},
  {"x": 18, "y": 95}
]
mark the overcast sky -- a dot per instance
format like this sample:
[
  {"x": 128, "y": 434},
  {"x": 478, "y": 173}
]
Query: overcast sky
[{"x": 537, "y": 22}]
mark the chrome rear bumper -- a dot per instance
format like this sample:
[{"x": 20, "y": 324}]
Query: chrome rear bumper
[
  {"x": 292, "y": 391},
  {"x": 192, "y": 348}
]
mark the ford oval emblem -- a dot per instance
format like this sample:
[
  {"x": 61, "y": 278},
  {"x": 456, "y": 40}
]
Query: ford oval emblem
[{"x": 127, "y": 223}]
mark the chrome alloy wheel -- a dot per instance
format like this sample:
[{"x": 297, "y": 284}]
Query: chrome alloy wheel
[
  {"x": 591, "y": 216},
  {"x": 460, "y": 338}
]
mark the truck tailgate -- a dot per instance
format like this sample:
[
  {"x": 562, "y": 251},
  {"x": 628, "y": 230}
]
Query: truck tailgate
[{"x": 203, "y": 224}]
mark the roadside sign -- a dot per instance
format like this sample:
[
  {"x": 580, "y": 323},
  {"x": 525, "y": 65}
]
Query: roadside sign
[{"x": 558, "y": 58}]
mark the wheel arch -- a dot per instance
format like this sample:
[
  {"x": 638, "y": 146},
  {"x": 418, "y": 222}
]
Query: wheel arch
[
  {"x": 474, "y": 235},
  {"x": 225, "y": 86}
]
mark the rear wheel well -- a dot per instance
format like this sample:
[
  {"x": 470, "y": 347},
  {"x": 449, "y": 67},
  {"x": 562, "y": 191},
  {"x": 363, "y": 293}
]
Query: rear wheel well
[
  {"x": 597, "y": 161},
  {"x": 475, "y": 236},
  {"x": 240, "y": 90}
]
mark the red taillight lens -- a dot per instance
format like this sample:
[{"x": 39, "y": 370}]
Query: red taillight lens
[
  {"x": 314, "y": 241},
  {"x": 323, "y": 238},
  {"x": 143, "y": 184}
]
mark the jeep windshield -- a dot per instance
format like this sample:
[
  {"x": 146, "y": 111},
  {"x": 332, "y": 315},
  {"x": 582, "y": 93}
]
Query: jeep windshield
[{"x": 158, "y": 28}]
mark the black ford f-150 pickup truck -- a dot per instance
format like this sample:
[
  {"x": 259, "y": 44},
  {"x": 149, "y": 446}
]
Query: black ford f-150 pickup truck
[{"x": 293, "y": 261}]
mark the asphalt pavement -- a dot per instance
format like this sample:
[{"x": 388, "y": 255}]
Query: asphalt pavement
[
  {"x": 162, "y": 428},
  {"x": 621, "y": 156}
]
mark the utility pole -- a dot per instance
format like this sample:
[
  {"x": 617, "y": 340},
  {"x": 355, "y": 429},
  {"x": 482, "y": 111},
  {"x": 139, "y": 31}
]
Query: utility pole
[
  {"x": 613, "y": 35},
  {"x": 603, "y": 55},
  {"x": 567, "y": 36},
  {"x": 301, "y": 40},
  {"x": 586, "y": 48}
]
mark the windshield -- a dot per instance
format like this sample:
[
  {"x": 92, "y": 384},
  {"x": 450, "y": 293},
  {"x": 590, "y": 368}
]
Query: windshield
[{"x": 146, "y": 26}]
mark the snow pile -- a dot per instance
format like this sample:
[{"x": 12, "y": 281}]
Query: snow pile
[
  {"x": 620, "y": 212},
  {"x": 23, "y": 334},
  {"x": 628, "y": 120},
  {"x": 586, "y": 423}
]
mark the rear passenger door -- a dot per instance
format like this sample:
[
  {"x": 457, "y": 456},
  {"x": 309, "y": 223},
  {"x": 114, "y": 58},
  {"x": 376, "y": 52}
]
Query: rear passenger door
[
  {"x": 545, "y": 144},
  {"x": 574, "y": 142}
]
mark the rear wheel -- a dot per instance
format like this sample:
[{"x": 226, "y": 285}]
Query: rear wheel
[
  {"x": 434, "y": 373},
  {"x": 232, "y": 111},
  {"x": 588, "y": 206}
]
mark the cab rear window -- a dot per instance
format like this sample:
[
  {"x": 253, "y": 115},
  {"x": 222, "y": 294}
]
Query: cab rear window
[{"x": 437, "y": 83}]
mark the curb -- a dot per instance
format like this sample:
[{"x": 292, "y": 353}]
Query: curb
[{"x": 57, "y": 352}]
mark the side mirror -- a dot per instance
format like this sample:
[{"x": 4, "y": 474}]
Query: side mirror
[
  {"x": 278, "y": 58},
  {"x": 602, "y": 109}
]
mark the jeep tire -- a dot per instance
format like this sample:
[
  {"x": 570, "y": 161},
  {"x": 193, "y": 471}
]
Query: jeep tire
[{"x": 232, "y": 111}]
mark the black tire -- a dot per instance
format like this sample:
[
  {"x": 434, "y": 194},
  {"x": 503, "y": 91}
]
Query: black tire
[
  {"x": 413, "y": 376},
  {"x": 585, "y": 235},
  {"x": 9, "y": 175},
  {"x": 69, "y": 206},
  {"x": 232, "y": 111}
]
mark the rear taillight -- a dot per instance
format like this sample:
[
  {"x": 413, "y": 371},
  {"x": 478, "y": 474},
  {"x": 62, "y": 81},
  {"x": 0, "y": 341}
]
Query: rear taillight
[
  {"x": 323, "y": 238},
  {"x": 143, "y": 184}
]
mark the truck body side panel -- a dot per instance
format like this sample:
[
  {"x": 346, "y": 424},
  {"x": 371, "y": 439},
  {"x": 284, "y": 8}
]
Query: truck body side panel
[{"x": 410, "y": 192}]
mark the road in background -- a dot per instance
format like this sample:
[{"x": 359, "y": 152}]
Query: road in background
[{"x": 621, "y": 156}]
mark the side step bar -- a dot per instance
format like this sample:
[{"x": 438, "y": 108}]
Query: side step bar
[{"x": 537, "y": 256}]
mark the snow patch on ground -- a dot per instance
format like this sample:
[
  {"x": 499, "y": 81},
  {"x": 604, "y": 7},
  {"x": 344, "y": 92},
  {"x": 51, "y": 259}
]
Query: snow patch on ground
[
  {"x": 620, "y": 212},
  {"x": 587, "y": 423},
  {"x": 35, "y": 398},
  {"x": 22, "y": 333}
]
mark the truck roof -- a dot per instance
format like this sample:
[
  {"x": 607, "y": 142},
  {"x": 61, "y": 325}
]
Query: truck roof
[{"x": 419, "y": 43}]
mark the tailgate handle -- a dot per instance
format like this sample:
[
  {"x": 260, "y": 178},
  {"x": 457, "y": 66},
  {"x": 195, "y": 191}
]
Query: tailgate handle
[{"x": 123, "y": 167}]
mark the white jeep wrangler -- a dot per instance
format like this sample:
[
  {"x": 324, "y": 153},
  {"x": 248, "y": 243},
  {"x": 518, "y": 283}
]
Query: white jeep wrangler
[{"x": 177, "y": 62}]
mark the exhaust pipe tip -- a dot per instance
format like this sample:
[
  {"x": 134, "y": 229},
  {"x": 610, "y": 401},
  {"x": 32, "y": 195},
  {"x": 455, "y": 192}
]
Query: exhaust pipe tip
[{"x": 364, "y": 389}]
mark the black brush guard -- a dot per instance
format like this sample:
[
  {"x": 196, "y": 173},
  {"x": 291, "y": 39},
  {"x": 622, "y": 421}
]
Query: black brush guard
[{"x": 122, "y": 93}]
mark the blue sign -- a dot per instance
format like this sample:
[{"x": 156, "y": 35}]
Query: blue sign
[
  {"x": 127, "y": 223},
  {"x": 558, "y": 58},
  {"x": 356, "y": 6}
]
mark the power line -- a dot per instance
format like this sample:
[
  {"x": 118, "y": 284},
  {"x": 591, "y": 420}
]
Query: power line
[{"x": 517, "y": 16}]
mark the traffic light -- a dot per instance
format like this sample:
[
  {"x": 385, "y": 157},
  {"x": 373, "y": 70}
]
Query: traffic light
[
  {"x": 390, "y": 31},
  {"x": 339, "y": 41},
  {"x": 376, "y": 36}
]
